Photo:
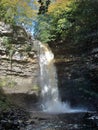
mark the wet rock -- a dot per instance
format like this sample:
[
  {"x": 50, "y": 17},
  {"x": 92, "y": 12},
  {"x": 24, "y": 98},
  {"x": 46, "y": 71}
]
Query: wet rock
[
  {"x": 90, "y": 120},
  {"x": 77, "y": 74},
  {"x": 14, "y": 119}
]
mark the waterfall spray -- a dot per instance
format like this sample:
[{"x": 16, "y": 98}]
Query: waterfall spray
[{"x": 51, "y": 101}]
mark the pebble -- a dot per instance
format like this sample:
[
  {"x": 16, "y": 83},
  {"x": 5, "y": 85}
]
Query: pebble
[{"x": 13, "y": 120}]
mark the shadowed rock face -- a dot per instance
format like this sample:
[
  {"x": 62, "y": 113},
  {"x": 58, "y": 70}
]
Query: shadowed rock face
[
  {"x": 19, "y": 67},
  {"x": 77, "y": 75}
]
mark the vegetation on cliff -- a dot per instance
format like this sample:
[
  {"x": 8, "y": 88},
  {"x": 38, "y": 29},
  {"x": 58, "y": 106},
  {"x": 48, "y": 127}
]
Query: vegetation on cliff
[
  {"x": 18, "y": 12},
  {"x": 16, "y": 49}
]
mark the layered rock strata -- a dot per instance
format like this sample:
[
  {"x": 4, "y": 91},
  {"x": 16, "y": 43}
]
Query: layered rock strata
[{"x": 19, "y": 67}]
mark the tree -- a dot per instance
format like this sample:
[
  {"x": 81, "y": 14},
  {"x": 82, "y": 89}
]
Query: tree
[
  {"x": 49, "y": 29},
  {"x": 42, "y": 28},
  {"x": 43, "y": 6},
  {"x": 18, "y": 11},
  {"x": 74, "y": 21}
]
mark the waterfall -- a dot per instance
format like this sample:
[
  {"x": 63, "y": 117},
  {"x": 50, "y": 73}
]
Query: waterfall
[{"x": 51, "y": 101}]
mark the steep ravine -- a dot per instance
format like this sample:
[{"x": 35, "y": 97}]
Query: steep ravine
[
  {"x": 19, "y": 70},
  {"x": 19, "y": 85}
]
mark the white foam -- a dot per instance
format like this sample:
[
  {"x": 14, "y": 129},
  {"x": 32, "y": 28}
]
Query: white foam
[{"x": 51, "y": 102}]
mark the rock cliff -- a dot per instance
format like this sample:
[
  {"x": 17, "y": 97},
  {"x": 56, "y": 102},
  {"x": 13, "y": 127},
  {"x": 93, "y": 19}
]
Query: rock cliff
[
  {"x": 19, "y": 67},
  {"x": 77, "y": 74}
]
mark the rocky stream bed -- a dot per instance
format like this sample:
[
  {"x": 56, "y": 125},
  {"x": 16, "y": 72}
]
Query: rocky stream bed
[{"x": 19, "y": 119}]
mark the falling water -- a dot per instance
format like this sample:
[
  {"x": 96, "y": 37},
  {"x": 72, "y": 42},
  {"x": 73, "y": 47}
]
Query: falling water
[{"x": 48, "y": 80}]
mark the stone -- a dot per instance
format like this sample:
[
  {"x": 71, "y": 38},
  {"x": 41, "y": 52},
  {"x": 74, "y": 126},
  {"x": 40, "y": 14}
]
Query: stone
[
  {"x": 77, "y": 74},
  {"x": 95, "y": 50},
  {"x": 5, "y": 29},
  {"x": 19, "y": 72}
]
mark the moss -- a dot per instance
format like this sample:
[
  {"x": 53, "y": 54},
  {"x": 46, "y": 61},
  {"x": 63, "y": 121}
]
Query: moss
[
  {"x": 35, "y": 88},
  {"x": 4, "y": 104},
  {"x": 7, "y": 82}
]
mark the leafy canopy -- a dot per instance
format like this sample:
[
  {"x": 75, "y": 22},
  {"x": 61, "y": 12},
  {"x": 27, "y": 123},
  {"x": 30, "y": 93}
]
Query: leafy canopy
[
  {"x": 74, "y": 21},
  {"x": 18, "y": 11}
]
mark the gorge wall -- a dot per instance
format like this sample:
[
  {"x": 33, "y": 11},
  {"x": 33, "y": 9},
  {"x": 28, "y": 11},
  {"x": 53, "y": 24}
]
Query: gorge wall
[
  {"x": 19, "y": 67},
  {"x": 19, "y": 70},
  {"x": 77, "y": 74}
]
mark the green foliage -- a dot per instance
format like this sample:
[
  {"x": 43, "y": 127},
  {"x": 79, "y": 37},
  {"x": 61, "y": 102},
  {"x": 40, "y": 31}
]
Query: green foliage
[
  {"x": 83, "y": 16},
  {"x": 16, "y": 11},
  {"x": 35, "y": 88},
  {"x": 42, "y": 28},
  {"x": 6, "y": 42},
  {"x": 74, "y": 21},
  {"x": 10, "y": 49},
  {"x": 7, "y": 82},
  {"x": 4, "y": 105},
  {"x": 28, "y": 48}
]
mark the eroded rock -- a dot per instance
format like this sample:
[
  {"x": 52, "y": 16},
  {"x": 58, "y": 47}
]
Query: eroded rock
[{"x": 19, "y": 67}]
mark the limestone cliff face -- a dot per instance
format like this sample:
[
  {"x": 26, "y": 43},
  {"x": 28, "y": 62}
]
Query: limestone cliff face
[{"x": 19, "y": 67}]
